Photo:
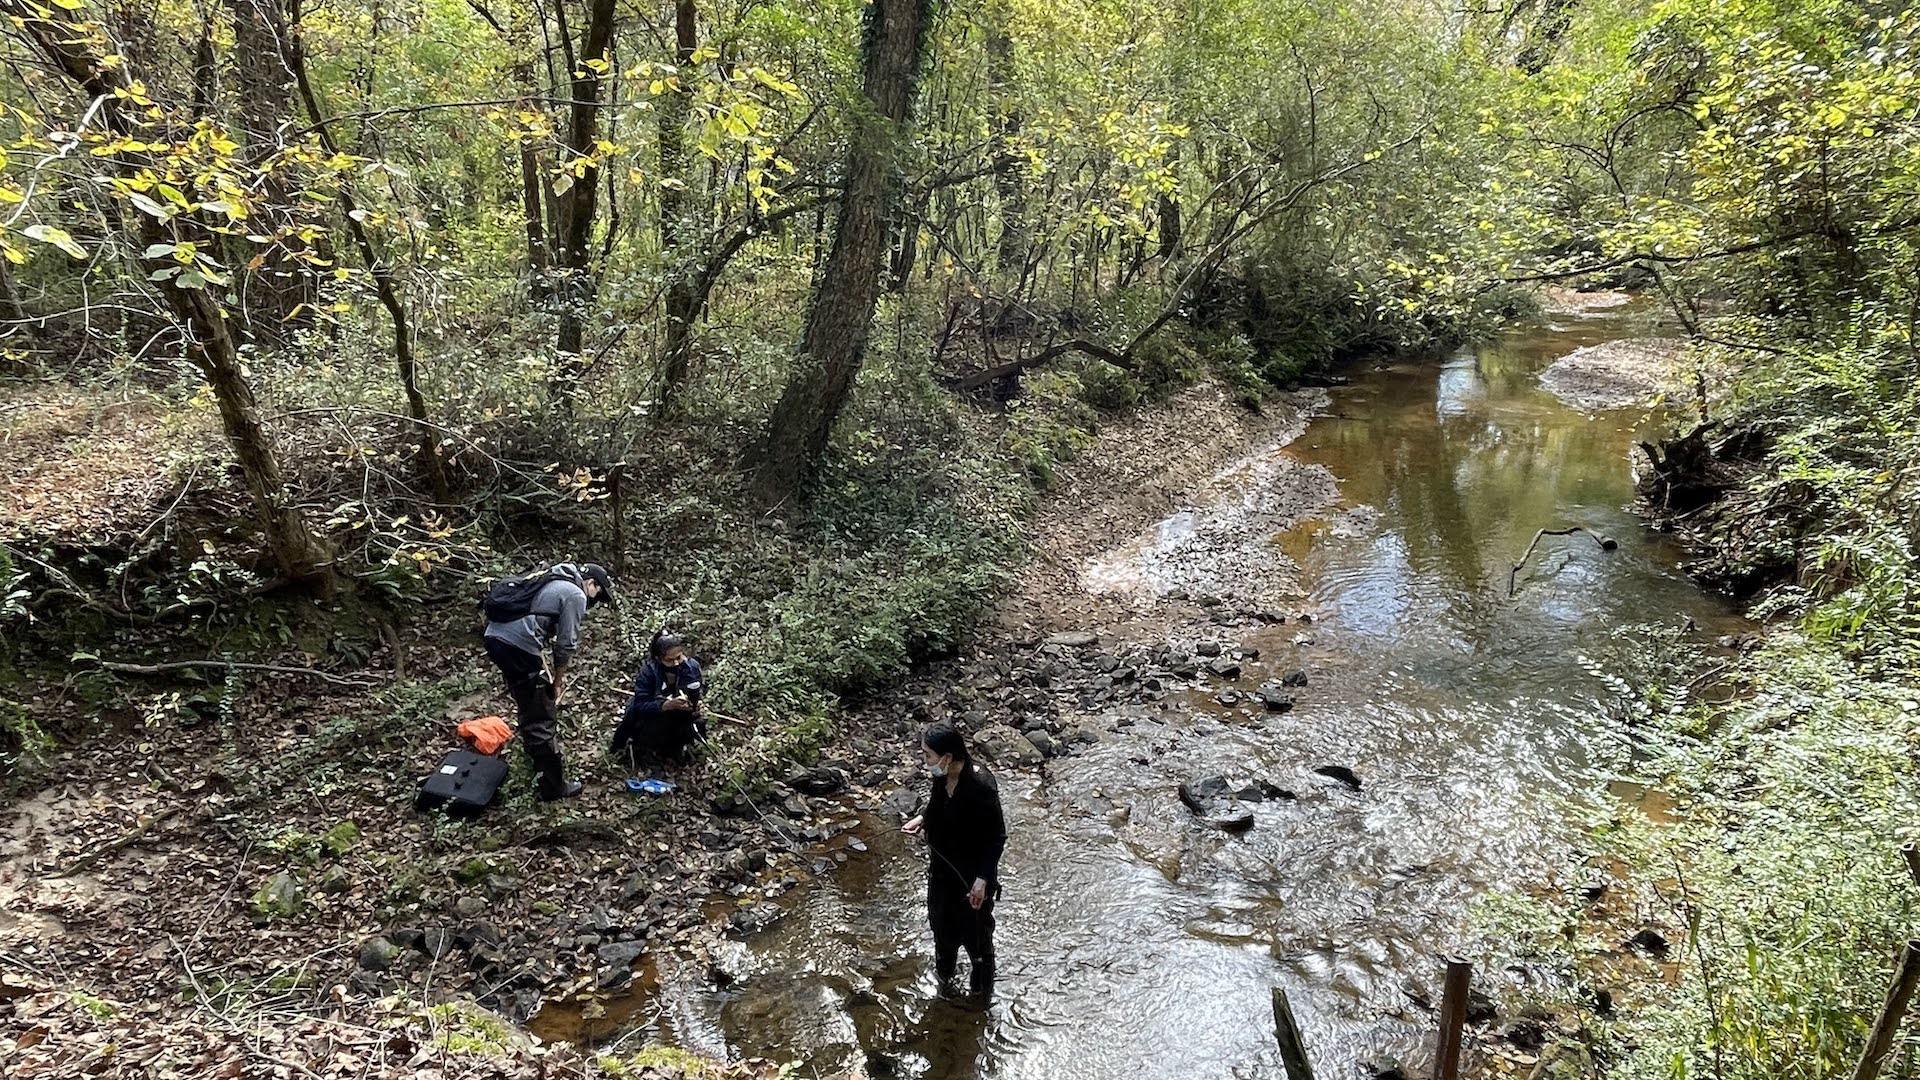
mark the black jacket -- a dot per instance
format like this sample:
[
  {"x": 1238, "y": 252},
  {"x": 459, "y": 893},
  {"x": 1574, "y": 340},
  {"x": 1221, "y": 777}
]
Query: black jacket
[
  {"x": 655, "y": 683},
  {"x": 966, "y": 830}
]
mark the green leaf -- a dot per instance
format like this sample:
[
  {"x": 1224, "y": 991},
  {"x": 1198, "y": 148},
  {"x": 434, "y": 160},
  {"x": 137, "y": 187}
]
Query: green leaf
[
  {"x": 58, "y": 237},
  {"x": 159, "y": 251},
  {"x": 149, "y": 206}
]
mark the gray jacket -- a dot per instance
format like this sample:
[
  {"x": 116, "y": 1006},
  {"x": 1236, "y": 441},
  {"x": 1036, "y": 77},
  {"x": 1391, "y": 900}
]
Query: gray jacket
[{"x": 555, "y": 620}]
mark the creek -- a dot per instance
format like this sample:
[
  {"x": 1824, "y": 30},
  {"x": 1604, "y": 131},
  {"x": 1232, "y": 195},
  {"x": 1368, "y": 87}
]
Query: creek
[{"x": 1135, "y": 941}]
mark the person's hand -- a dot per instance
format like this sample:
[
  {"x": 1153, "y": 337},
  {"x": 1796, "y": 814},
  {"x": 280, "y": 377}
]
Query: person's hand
[
  {"x": 978, "y": 894},
  {"x": 674, "y": 703},
  {"x": 912, "y": 825}
]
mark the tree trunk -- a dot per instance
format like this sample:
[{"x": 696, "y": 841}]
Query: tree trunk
[
  {"x": 683, "y": 300},
  {"x": 840, "y": 318},
  {"x": 539, "y": 256},
  {"x": 299, "y": 554},
  {"x": 427, "y": 445},
  {"x": 274, "y": 296},
  {"x": 580, "y": 201},
  {"x": 1003, "y": 119}
]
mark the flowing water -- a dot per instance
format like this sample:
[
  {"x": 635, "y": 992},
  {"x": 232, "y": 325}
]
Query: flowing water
[{"x": 1135, "y": 941}]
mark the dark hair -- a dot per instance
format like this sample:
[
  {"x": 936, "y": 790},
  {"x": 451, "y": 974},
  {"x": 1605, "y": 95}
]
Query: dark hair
[
  {"x": 597, "y": 574},
  {"x": 944, "y": 738},
  {"x": 664, "y": 642}
]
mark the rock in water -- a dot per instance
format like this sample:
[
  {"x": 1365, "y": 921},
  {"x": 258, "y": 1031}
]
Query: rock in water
[
  {"x": 1003, "y": 745},
  {"x": 1341, "y": 773},
  {"x": 1236, "y": 820},
  {"x": 1274, "y": 698},
  {"x": 1201, "y": 794},
  {"x": 1075, "y": 639},
  {"x": 1294, "y": 678}
]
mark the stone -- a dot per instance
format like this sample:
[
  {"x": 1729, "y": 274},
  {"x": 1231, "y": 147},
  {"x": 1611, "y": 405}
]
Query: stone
[
  {"x": 1228, "y": 698},
  {"x": 1081, "y": 735},
  {"x": 639, "y": 883},
  {"x": 620, "y": 954},
  {"x": 278, "y": 897},
  {"x": 1649, "y": 941},
  {"x": 818, "y": 781},
  {"x": 1294, "y": 678},
  {"x": 1208, "y": 648},
  {"x": 1202, "y": 793},
  {"x": 1235, "y": 820},
  {"x": 469, "y": 907},
  {"x": 341, "y": 838},
  {"x": 1275, "y": 699},
  {"x": 1385, "y": 1067},
  {"x": 753, "y": 919},
  {"x": 377, "y": 954},
  {"x": 436, "y": 942},
  {"x": 488, "y": 961},
  {"x": 1075, "y": 639},
  {"x": 336, "y": 881},
  {"x": 1225, "y": 668},
  {"x": 1340, "y": 773},
  {"x": 477, "y": 932},
  {"x": 1002, "y": 745},
  {"x": 1043, "y": 742}
]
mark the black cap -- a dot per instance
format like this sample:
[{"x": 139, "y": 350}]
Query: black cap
[{"x": 597, "y": 574}]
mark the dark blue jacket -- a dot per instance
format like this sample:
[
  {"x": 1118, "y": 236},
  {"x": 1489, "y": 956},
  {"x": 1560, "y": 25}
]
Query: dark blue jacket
[{"x": 653, "y": 685}]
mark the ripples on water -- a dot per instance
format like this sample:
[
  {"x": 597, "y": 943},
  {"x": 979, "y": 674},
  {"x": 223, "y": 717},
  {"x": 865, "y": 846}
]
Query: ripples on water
[{"x": 1134, "y": 942}]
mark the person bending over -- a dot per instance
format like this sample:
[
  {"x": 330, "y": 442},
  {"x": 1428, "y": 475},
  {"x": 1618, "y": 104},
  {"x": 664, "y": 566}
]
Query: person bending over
[{"x": 518, "y": 646}]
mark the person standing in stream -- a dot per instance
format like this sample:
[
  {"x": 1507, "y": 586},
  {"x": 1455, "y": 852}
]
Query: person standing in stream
[
  {"x": 519, "y": 647},
  {"x": 966, "y": 834}
]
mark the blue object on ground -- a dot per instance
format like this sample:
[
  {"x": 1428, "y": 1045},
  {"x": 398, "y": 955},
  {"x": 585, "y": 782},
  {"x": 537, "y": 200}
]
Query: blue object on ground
[{"x": 650, "y": 786}]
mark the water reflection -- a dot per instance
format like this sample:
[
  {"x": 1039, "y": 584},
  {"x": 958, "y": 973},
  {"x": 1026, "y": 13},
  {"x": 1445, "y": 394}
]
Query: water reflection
[{"x": 1134, "y": 942}]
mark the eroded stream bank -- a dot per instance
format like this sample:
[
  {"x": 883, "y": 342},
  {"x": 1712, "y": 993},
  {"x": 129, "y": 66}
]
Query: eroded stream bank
[{"x": 1274, "y": 624}]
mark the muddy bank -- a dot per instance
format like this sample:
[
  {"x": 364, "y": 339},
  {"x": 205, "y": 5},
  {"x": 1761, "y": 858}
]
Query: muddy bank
[
  {"x": 1203, "y": 466},
  {"x": 1618, "y": 374}
]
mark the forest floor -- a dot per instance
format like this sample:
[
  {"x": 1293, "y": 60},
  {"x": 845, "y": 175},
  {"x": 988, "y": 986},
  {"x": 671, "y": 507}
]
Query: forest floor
[{"x": 237, "y": 884}]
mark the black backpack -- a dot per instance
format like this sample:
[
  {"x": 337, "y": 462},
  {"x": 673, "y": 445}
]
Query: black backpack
[{"x": 510, "y": 599}]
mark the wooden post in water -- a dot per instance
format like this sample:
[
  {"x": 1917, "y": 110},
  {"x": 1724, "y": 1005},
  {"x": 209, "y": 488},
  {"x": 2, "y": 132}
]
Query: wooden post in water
[
  {"x": 1911, "y": 853},
  {"x": 1880, "y": 1040},
  {"x": 1293, "y": 1050},
  {"x": 1453, "y": 1019}
]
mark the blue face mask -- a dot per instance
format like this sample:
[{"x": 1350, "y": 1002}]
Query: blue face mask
[{"x": 936, "y": 770}]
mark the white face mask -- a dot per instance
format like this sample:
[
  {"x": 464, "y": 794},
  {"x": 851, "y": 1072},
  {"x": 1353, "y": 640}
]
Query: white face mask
[{"x": 936, "y": 770}]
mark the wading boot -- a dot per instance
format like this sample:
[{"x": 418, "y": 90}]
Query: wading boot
[
  {"x": 980, "y": 979},
  {"x": 550, "y": 782}
]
